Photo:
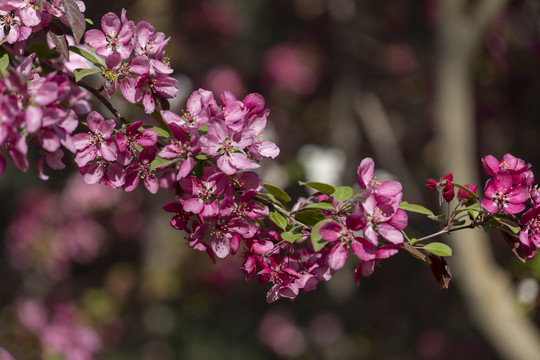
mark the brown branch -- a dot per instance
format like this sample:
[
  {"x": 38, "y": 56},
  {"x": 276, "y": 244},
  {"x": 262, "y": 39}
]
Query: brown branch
[
  {"x": 376, "y": 124},
  {"x": 485, "y": 12},
  {"x": 486, "y": 288},
  {"x": 90, "y": 89}
]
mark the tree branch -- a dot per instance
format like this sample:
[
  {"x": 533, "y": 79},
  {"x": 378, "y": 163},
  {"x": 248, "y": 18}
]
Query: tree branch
[
  {"x": 485, "y": 287},
  {"x": 90, "y": 89}
]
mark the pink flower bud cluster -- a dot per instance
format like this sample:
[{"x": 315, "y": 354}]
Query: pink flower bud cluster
[
  {"x": 40, "y": 109},
  {"x": 134, "y": 58}
]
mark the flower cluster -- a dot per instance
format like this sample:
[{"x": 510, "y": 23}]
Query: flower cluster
[
  {"x": 63, "y": 334},
  {"x": 134, "y": 59},
  {"x": 376, "y": 214},
  {"x": 508, "y": 191},
  {"x": 120, "y": 158},
  {"x": 207, "y": 155},
  {"x": 302, "y": 256},
  {"x": 510, "y": 185},
  {"x": 211, "y": 154},
  {"x": 19, "y": 19},
  {"x": 39, "y": 108},
  {"x": 50, "y": 242}
]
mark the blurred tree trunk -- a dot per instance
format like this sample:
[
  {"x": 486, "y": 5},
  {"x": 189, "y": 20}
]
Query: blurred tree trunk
[
  {"x": 159, "y": 13},
  {"x": 486, "y": 288}
]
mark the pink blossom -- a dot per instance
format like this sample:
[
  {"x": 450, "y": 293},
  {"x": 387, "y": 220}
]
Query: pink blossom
[
  {"x": 383, "y": 220},
  {"x": 223, "y": 232},
  {"x": 141, "y": 169},
  {"x": 132, "y": 137},
  {"x": 201, "y": 194},
  {"x": 180, "y": 148},
  {"x": 509, "y": 162},
  {"x": 115, "y": 37},
  {"x": 284, "y": 279},
  {"x": 146, "y": 87},
  {"x": 224, "y": 145},
  {"x": 97, "y": 143},
  {"x": 18, "y": 31},
  {"x": 502, "y": 195},
  {"x": 150, "y": 45},
  {"x": 521, "y": 175},
  {"x": 387, "y": 192},
  {"x": 530, "y": 233}
]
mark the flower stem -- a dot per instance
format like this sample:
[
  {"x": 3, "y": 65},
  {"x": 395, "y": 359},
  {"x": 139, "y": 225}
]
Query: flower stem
[{"x": 446, "y": 231}]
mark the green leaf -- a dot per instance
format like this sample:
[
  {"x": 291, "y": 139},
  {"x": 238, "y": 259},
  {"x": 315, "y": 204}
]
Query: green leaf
[
  {"x": 89, "y": 21},
  {"x": 321, "y": 205},
  {"x": 272, "y": 199},
  {"x": 439, "y": 218},
  {"x": 343, "y": 193},
  {"x": 474, "y": 207},
  {"x": 473, "y": 195},
  {"x": 415, "y": 208},
  {"x": 4, "y": 60},
  {"x": 278, "y": 193},
  {"x": 439, "y": 249},
  {"x": 160, "y": 162},
  {"x": 316, "y": 239},
  {"x": 509, "y": 224},
  {"x": 81, "y": 73},
  {"x": 324, "y": 188},
  {"x": 161, "y": 132},
  {"x": 413, "y": 241},
  {"x": 291, "y": 237},
  {"x": 201, "y": 157},
  {"x": 43, "y": 51},
  {"x": 86, "y": 55},
  {"x": 309, "y": 216},
  {"x": 491, "y": 226},
  {"x": 474, "y": 214},
  {"x": 278, "y": 219}
]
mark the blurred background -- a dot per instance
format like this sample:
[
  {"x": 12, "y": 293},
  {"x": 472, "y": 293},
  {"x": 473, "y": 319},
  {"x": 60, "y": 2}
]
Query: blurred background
[{"x": 345, "y": 79}]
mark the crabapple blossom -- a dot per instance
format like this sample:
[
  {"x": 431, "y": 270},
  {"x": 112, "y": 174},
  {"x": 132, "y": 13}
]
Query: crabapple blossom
[
  {"x": 115, "y": 37},
  {"x": 530, "y": 233},
  {"x": 387, "y": 192},
  {"x": 141, "y": 169},
  {"x": 224, "y": 144},
  {"x": 99, "y": 142},
  {"x": 204, "y": 155},
  {"x": 502, "y": 195}
]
